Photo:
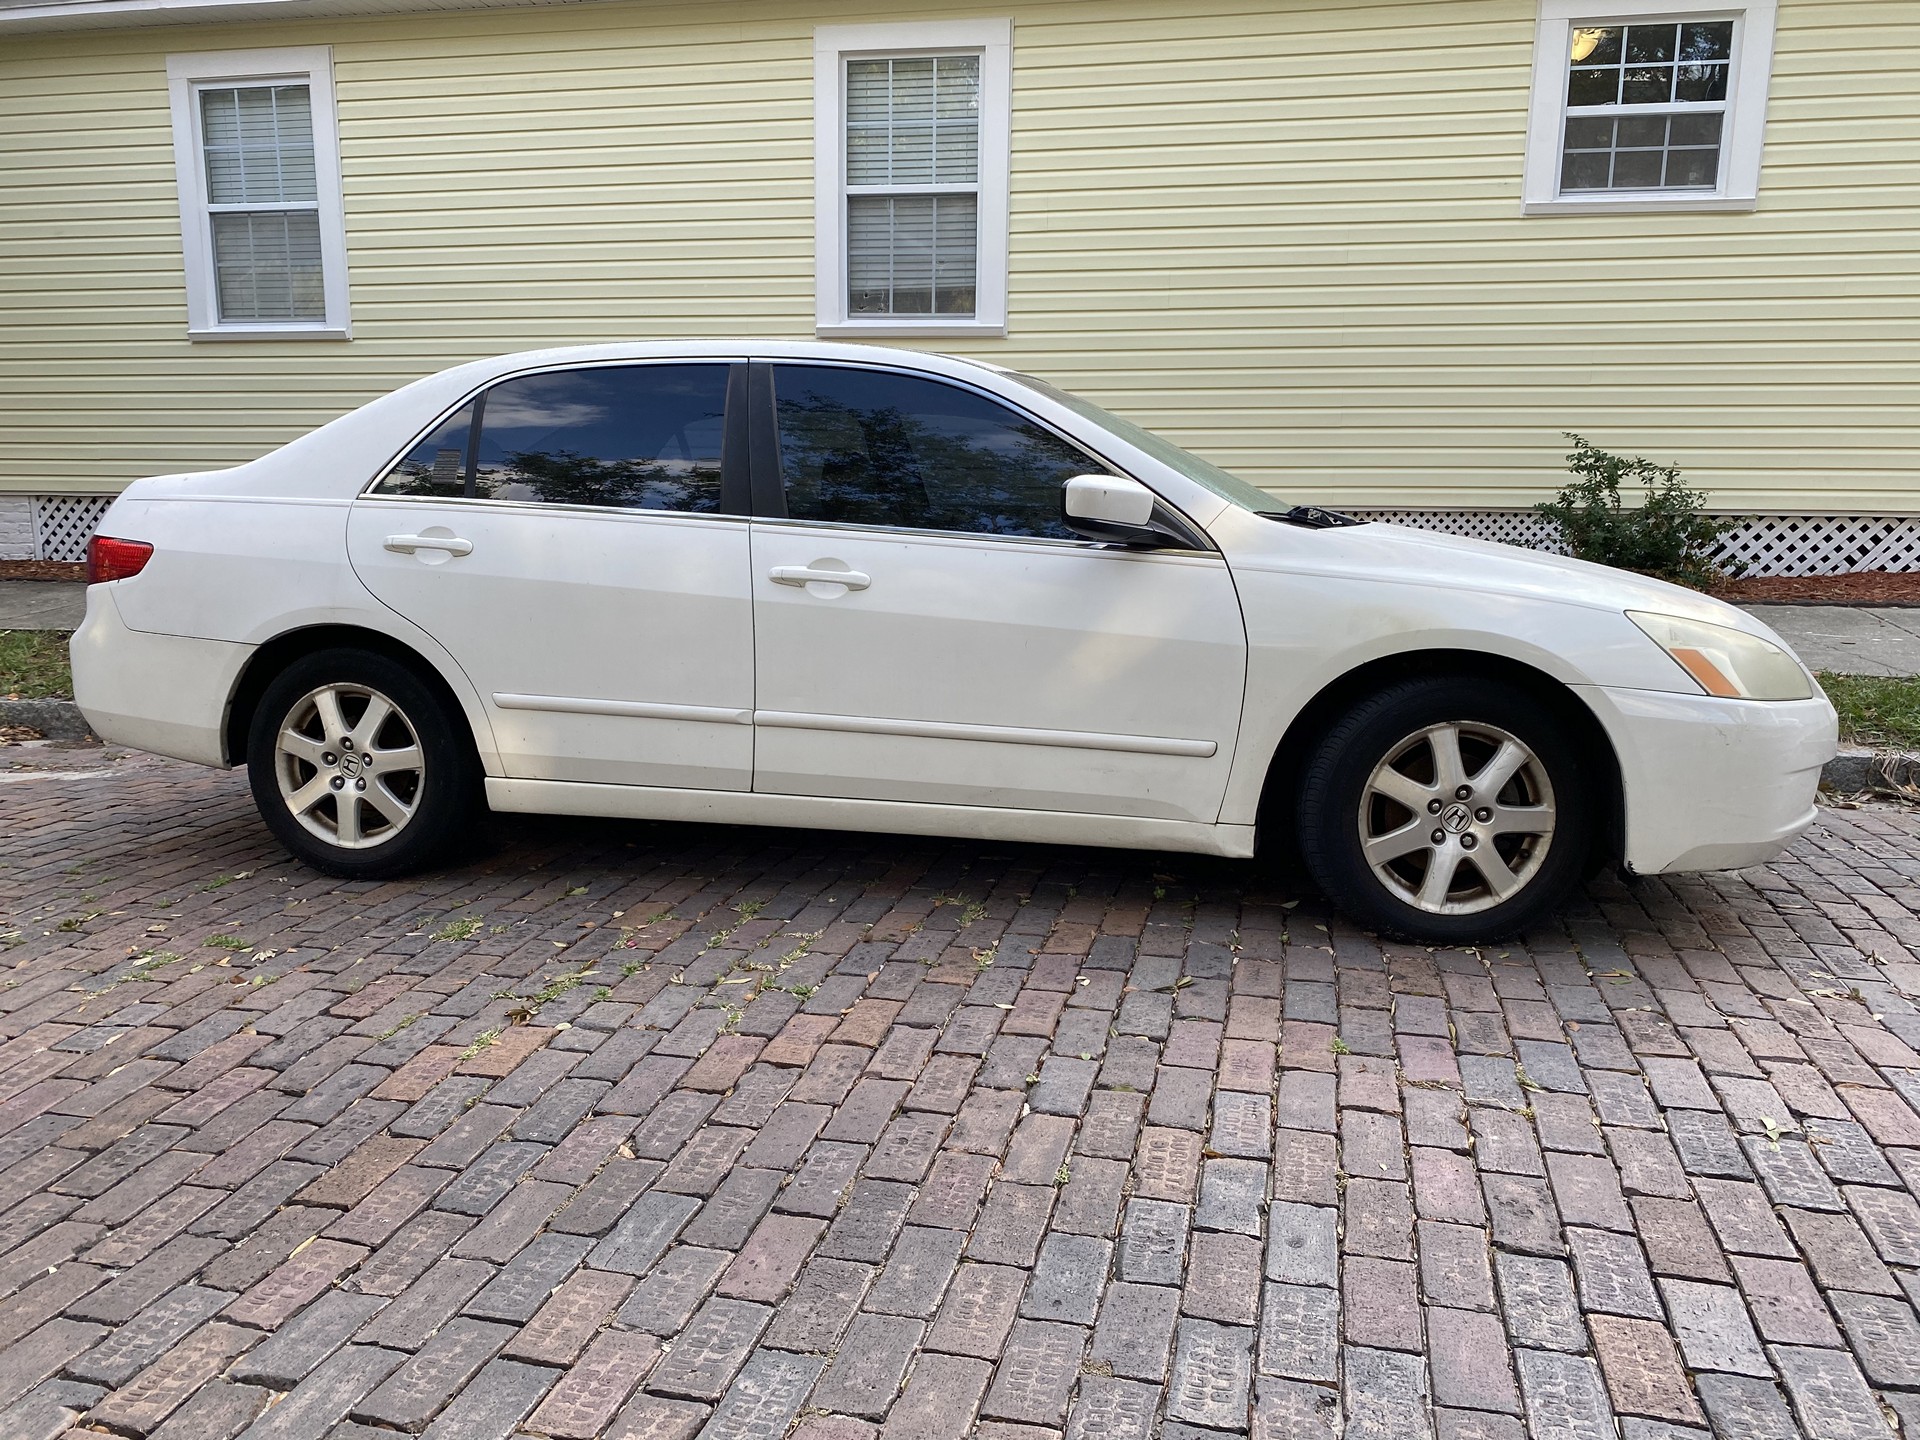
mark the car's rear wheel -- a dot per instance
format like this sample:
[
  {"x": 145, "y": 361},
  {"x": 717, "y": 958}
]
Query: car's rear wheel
[
  {"x": 359, "y": 767},
  {"x": 1448, "y": 810}
]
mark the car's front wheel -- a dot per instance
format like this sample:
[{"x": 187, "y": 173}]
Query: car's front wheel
[
  {"x": 1448, "y": 810},
  {"x": 359, "y": 767}
]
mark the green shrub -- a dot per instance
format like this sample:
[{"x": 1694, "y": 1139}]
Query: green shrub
[{"x": 1666, "y": 535}]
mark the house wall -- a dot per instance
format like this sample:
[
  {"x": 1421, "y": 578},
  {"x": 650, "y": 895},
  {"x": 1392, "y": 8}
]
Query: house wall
[{"x": 1286, "y": 234}]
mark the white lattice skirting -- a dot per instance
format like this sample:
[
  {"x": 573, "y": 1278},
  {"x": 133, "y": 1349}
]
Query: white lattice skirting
[{"x": 1764, "y": 544}]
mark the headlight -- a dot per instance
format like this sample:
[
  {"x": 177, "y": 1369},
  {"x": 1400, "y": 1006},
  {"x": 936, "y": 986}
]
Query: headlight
[{"x": 1729, "y": 663}]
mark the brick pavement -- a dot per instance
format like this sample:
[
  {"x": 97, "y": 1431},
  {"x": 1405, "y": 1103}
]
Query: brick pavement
[{"x": 654, "y": 1132}]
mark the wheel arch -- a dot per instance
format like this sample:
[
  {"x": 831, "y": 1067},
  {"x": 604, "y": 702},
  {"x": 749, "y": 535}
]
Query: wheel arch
[
  {"x": 1280, "y": 791},
  {"x": 281, "y": 651}
]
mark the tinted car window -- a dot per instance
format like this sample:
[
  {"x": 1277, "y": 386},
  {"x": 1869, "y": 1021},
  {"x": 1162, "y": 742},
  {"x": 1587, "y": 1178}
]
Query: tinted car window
[
  {"x": 869, "y": 447},
  {"x": 438, "y": 464},
  {"x": 645, "y": 437},
  {"x": 639, "y": 437}
]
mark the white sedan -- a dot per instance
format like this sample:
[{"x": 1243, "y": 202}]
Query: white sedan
[{"x": 856, "y": 588}]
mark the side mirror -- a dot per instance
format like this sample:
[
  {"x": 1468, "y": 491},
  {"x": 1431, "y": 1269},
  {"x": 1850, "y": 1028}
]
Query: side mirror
[{"x": 1110, "y": 508}]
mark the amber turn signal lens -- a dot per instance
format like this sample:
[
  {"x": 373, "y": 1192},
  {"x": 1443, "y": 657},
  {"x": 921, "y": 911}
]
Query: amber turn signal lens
[{"x": 1711, "y": 679}]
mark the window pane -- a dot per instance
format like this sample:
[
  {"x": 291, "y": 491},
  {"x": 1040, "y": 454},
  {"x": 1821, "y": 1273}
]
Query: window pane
[
  {"x": 641, "y": 437},
  {"x": 912, "y": 254},
  {"x": 1692, "y": 169},
  {"x": 1596, "y": 45},
  {"x": 1701, "y": 82},
  {"x": 1646, "y": 85},
  {"x": 1710, "y": 41},
  {"x": 1594, "y": 132},
  {"x": 1696, "y": 129},
  {"x": 437, "y": 465},
  {"x": 1651, "y": 42},
  {"x": 914, "y": 121},
  {"x": 1641, "y": 132},
  {"x": 258, "y": 144},
  {"x": 1588, "y": 170},
  {"x": 266, "y": 265},
  {"x": 867, "y": 447},
  {"x": 1593, "y": 87},
  {"x": 1636, "y": 169}
]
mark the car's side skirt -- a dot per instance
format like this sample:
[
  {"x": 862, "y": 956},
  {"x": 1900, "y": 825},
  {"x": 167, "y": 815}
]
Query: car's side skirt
[{"x": 973, "y": 822}]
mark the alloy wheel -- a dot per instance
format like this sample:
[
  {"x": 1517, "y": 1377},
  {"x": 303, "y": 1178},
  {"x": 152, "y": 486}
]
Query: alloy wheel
[
  {"x": 1457, "y": 818},
  {"x": 350, "y": 766}
]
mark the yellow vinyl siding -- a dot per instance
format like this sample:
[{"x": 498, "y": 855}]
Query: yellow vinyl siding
[{"x": 1284, "y": 234}]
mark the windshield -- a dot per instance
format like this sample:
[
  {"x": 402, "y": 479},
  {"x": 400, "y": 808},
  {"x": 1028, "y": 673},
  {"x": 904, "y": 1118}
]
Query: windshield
[{"x": 1227, "y": 486}]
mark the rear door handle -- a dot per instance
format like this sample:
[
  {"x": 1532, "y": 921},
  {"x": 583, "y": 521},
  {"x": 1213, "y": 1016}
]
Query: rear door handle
[
  {"x": 808, "y": 575},
  {"x": 407, "y": 544}
]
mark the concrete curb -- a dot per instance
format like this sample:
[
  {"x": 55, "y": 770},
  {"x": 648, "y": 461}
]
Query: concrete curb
[
  {"x": 55, "y": 719},
  {"x": 1855, "y": 770}
]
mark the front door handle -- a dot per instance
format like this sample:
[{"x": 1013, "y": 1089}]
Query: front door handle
[
  {"x": 809, "y": 575},
  {"x": 408, "y": 544}
]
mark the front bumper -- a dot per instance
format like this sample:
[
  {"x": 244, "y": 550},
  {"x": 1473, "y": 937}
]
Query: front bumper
[
  {"x": 1713, "y": 784},
  {"x": 164, "y": 693}
]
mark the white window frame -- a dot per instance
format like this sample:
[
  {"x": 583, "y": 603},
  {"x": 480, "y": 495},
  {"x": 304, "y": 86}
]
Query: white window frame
[
  {"x": 1746, "y": 109},
  {"x": 311, "y": 65},
  {"x": 833, "y": 46}
]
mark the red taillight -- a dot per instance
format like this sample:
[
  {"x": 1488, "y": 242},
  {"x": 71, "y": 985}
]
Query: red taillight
[{"x": 111, "y": 559}]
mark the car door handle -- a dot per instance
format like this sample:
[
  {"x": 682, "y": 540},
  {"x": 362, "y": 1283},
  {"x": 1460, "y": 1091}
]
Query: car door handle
[
  {"x": 808, "y": 575},
  {"x": 407, "y": 544}
]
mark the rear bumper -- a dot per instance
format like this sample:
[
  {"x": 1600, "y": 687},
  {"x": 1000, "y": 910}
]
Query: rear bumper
[
  {"x": 164, "y": 693},
  {"x": 1713, "y": 784}
]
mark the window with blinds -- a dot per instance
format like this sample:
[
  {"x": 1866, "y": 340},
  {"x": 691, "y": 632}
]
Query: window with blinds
[
  {"x": 913, "y": 185},
  {"x": 256, "y": 151},
  {"x": 262, "y": 202}
]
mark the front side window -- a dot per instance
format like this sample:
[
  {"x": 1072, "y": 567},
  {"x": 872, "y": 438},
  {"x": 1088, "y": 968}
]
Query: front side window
[
  {"x": 872, "y": 447},
  {"x": 1658, "y": 109},
  {"x": 913, "y": 123},
  {"x": 258, "y": 170},
  {"x": 631, "y": 437}
]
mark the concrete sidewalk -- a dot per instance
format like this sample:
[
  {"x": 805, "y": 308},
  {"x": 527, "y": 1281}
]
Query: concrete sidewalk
[
  {"x": 42, "y": 604},
  {"x": 1848, "y": 639}
]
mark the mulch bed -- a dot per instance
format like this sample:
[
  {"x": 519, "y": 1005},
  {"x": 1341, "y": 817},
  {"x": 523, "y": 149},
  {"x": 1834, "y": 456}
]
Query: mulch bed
[
  {"x": 1865, "y": 587},
  {"x": 41, "y": 570}
]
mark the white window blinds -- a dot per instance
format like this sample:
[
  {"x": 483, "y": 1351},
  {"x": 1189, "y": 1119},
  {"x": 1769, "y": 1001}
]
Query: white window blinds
[
  {"x": 912, "y": 185},
  {"x": 262, "y": 202}
]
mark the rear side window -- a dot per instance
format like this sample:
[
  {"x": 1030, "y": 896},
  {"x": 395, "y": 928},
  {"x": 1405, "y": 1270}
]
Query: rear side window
[
  {"x": 870, "y": 447},
  {"x": 438, "y": 464},
  {"x": 634, "y": 437}
]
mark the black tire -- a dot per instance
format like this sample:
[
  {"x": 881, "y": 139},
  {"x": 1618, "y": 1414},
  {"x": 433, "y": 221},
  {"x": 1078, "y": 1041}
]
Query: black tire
[
  {"x": 1342, "y": 804},
  {"x": 439, "y": 798}
]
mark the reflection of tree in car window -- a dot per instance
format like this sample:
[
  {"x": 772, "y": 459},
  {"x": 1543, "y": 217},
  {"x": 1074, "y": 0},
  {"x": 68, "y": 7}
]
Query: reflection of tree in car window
[
  {"x": 867, "y": 448},
  {"x": 636, "y": 437},
  {"x": 564, "y": 477}
]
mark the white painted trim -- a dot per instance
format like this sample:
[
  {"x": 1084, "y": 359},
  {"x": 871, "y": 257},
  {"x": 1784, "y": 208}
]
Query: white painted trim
[
  {"x": 832, "y": 45},
  {"x": 314, "y": 65},
  {"x": 973, "y": 822},
  {"x": 1746, "y": 111},
  {"x": 1002, "y": 734},
  {"x": 633, "y": 709}
]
